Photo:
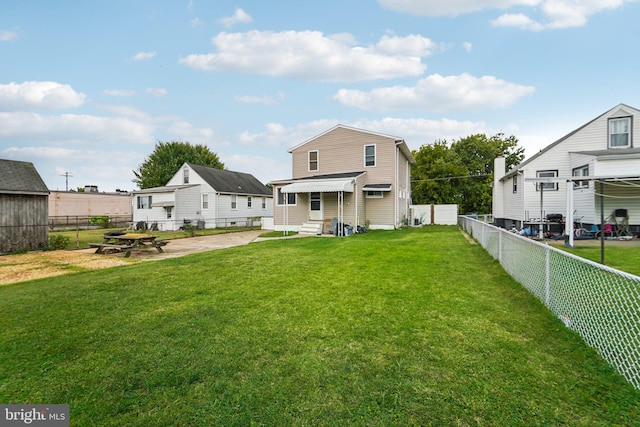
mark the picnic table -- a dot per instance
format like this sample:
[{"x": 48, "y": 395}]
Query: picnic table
[{"x": 127, "y": 242}]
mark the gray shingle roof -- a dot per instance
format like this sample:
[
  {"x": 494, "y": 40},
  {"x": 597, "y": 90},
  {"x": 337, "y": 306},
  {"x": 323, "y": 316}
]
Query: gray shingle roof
[
  {"x": 224, "y": 181},
  {"x": 20, "y": 178}
]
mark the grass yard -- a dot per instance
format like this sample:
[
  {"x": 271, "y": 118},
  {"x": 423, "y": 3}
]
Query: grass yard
[
  {"x": 618, "y": 257},
  {"x": 82, "y": 238},
  {"x": 408, "y": 327}
]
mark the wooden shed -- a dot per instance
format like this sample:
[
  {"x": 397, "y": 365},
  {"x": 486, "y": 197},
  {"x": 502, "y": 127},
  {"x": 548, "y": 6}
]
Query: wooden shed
[{"x": 23, "y": 207}]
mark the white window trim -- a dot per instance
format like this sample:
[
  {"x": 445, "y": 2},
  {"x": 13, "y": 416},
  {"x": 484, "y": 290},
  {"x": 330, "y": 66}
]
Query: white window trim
[
  {"x": 309, "y": 161},
  {"x": 375, "y": 156},
  {"x": 515, "y": 184},
  {"x": 204, "y": 196},
  {"x": 185, "y": 175},
  {"x": 249, "y": 202},
  {"x": 234, "y": 201},
  {"x": 580, "y": 184},
  {"x": 286, "y": 198},
  {"x": 554, "y": 184},
  {"x": 629, "y": 133},
  {"x": 264, "y": 203}
]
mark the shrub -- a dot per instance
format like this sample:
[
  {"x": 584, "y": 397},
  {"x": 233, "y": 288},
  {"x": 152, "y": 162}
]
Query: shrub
[
  {"x": 102, "y": 221},
  {"x": 58, "y": 242}
]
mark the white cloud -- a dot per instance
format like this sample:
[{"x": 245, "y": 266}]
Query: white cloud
[
  {"x": 5, "y": 35},
  {"x": 438, "y": 94},
  {"x": 75, "y": 129},
  {"x": 195, "y": 22},
  {"x": 47, "y": 95},
  {"x": 311, "y": 55},
  {"x": 185, "y": 131},
  {"x": 238, "y": 17},
  {"x": 265, "y": 169},
  {"x": 157, "y": 92},
  {"x": 143, "y": 56},
  {"x": 467, "y": 46},
  {"x": 119, "y": 92},
  {"x": 556, "y": 14},
  {"x": 450, "y": 7}
]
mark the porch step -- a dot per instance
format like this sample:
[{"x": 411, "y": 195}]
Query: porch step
[{"x": 311, "y": 228}]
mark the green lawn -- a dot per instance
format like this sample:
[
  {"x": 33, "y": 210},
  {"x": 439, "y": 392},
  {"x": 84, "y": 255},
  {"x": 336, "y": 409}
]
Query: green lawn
[
  {"x": 82, "y": 238},
  {"x": 408, "y": 327},
  {"x": 621, "y": 258}
]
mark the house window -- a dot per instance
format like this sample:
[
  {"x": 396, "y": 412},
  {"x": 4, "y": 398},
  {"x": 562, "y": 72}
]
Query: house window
[
  {"x": 286, "y": 198},
  {"x": 264, "y": 203},
  {"x": 581, "y": 171},
  {"x": 205, "y": 201},
  {"x": 169, "y": 211},
  {"x": 313, "y": 160},
  {"x": 620, "y": 132},
  {"x": 234, "y": 201},
  {"x": 515, "y": 184},
  {"x": 373, "y": 195},
  {"x": 369, "y": 155},
  {"x": 546, "y": 186},
  {"x": 144, "y": 202},
  {"x": 185, "y": 176},
  {"x": 249, "y": 201}
]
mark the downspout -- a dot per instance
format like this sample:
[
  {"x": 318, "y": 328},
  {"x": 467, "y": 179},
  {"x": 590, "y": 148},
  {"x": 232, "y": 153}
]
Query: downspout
[{"x": 395, "y": 199}]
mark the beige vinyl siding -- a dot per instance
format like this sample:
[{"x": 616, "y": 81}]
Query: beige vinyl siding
[
  {"x": 296, "y": 214},
  {"x": 342, "y": 150}
]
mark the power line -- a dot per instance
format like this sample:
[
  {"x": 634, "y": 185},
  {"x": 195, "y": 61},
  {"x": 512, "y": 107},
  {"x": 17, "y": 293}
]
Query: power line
[{"x": 66, "y": 176}]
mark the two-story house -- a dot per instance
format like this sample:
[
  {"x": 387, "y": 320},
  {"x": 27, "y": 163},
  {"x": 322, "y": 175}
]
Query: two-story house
[
  {"x": 203, "y": 197},
  {"x": 596, "y": 165},
  {"x": 345, "y": 177}
]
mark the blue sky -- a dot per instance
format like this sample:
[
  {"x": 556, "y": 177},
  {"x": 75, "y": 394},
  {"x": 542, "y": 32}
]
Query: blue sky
[{"x": 89, "y": 87}]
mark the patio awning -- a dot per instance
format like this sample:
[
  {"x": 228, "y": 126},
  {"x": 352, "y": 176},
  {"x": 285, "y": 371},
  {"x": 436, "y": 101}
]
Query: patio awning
[
  {"x": 319, "y": 186},
  {"x": 376, "y": 187},
  {"x": 162, "y": 204}
]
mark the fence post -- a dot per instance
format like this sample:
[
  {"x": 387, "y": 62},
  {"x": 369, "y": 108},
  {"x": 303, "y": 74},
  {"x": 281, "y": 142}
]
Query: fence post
[
  {"x": 547, "y": 275},
  {"x": 500, "y": 246}
]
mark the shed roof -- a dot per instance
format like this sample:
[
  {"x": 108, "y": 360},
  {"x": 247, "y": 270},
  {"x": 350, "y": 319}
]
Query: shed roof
[
  {"x": 225, "y": 181},
  {"x": 20, "y": 178}
]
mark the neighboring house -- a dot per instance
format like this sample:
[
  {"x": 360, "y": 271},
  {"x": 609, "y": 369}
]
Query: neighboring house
[
  {"x": 345, "y": 176},
  {"x": 79, "y": 203},
  {"x": 23, "y": 207},
  {"x": 567, "y": 178},
  {"x": 203, "y": 197}
]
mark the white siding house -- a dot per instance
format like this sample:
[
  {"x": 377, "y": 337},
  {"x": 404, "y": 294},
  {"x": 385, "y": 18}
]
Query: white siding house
[
  {"x": 203, "y": 197},
  {"x": 596, "y": 163}
]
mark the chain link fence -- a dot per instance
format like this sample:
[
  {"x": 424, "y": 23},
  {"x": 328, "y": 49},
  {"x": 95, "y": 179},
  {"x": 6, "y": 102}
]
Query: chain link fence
[
  {"x": 599, "y": 303},
  {"x": 85, "y": 222}
]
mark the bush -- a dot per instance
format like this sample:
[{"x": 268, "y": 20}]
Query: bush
[
  {"x": 101, "y": 221},
  {"x": 58, "y": 242}
]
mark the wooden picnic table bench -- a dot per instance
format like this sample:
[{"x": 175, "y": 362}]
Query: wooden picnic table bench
[{"x": 128, "y": 242}]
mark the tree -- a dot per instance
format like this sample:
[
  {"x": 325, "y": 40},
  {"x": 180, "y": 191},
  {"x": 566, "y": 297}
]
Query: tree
[
  {"x": 166, "y": 160},
  {"x": 461, "y": 173}
]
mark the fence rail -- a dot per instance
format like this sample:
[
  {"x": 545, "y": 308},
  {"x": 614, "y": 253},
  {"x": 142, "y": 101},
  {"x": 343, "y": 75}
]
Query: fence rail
[{"x": 600, "y": 303}]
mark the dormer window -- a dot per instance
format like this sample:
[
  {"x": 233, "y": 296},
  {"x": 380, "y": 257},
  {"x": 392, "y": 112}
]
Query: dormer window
[{"x": 620, "y": 132}]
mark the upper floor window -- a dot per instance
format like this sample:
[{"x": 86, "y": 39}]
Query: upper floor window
[
  {"x": 234, "y": 201},
  {"x": 313, "y": 160},
  {"x": 546, "y": 186},
  {"x": 286, "y": 198},
  {"x": 620, "y": 132},
  {"x": 581, "y": 171},
  {"x": 369, "y": 155},
  {"x": 185, "y": 176},
  {"x": 515, "y": 183},
  {"x": 144, "y": 202},
  {"x": 205, "y": 201}
]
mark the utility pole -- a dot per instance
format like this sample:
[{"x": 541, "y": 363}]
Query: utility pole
[{"x": 66, "y": 176}]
